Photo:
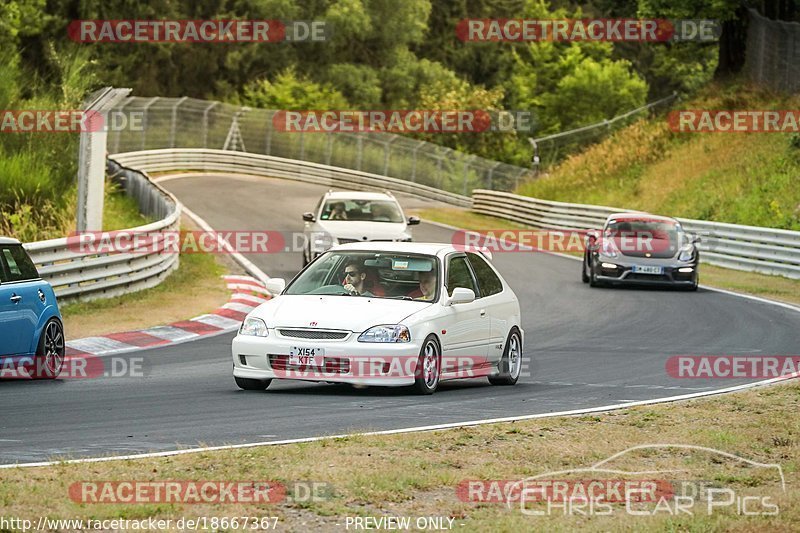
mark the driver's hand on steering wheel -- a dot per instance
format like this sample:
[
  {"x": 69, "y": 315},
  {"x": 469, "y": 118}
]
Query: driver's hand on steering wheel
[{"x": 349, "y": 288}]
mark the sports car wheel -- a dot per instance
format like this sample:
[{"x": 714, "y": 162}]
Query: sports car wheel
[
  {"x": 511, "y": 363},
  {"x": 428, "y": 368},
  {"x": 593, "y": 277},
  {"x": 50, "y": 353},
  {"x": 584, "y": 275},
  {"x": 252, "y": 384}
]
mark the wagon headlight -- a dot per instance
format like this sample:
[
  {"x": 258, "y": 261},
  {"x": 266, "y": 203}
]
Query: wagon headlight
[
  {"x": 687, "y": 254},
  {"x": 254, "y": 327},
  {"x": 386, "y": 333}
]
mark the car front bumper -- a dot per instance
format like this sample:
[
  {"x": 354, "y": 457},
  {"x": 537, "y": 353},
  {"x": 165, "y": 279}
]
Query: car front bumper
[
  {"x": 350, "y": 361},
  {"x": 623, "y": 273}
]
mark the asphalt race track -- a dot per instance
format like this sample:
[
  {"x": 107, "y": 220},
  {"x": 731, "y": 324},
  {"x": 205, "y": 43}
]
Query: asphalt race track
[{"x": 583, "y": 348}]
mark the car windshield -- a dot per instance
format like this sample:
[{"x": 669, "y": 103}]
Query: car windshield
[
  {"x": 370, "y": 274},
  {"x": 653, "y": 229},
  {"x": 362, "y": 210}
]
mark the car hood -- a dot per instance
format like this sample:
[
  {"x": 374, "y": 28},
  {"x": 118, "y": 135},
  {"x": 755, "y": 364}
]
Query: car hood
[
  {"x": 351, "y": 313},
  {"x": 362, "y": 230}
]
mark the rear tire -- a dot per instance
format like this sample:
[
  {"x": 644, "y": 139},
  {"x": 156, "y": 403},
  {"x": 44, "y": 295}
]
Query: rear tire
[
  {"x": 511, "y": 363},
  {"x": 429, "y": 367},
  {"x": 252, "y": 384},
  {"x": 50, "y": 352}
]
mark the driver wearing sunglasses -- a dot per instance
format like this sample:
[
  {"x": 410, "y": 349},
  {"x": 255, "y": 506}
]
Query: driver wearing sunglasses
[{"x": 354, "y": 279}]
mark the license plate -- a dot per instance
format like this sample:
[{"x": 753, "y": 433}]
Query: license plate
[
  {"x": 306, "y": 356},
  {"x": 638, "y": 269}
]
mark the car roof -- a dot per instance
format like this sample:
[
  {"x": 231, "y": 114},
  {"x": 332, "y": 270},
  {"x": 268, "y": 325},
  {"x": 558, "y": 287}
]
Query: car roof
[
  {"x": 428, "y": 248},
  {"x": 8, "y": 240},
  {"x": 638, "y": 215},
  {"x": 358, "y": 195}
]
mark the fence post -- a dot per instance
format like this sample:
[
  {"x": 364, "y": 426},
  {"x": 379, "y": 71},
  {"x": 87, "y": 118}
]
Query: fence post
[
  {"x": 302, "y": 147},
  {"x": 387, "y": 148},
  {"x": 419, "y": 145},
  {"x": 145, "y": 115},
  {"x": 268, "y": 139},
  {"x": 329, "y": 149},
  {"x": 174, "y": 124},
  {"x": 205, "y": 123},
  {"x": 359, "y": 150}
]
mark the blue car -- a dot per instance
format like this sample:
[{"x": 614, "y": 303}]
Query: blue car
[{"x": 31, "y": 329}]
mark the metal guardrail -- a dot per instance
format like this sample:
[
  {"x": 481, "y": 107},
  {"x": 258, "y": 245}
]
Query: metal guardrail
[
  {"x": 748, "y": 248},
  {"x": 278, "y": 167},
  {"x": 86, "y": 275}
]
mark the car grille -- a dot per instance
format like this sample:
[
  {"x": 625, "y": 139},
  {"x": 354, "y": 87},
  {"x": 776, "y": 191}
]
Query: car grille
[
  {"x": 347, "y": 241},
  {"x": 330, "y": 365},
  {"x": 648, "y": 277},
  {"x": 314, "y": 334}
]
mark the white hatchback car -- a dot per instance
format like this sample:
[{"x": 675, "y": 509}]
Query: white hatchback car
[
  {"x": 390, "y": 314},
  {"x": 342, "y": 217}
]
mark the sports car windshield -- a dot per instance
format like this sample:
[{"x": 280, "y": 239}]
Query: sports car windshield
[
  {"x": 370, "y": 274},
  {"x": 644, "y": 228},
  {"x": 362, "y": 210}
]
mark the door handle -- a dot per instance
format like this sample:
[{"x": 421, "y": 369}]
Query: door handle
[
  {"x": 16, "y": 298},
  {"x": 483, "y": 312}
]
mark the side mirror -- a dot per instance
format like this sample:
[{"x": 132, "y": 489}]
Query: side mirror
[
  {"x": 309, "y": 217},
  {"x": 275, "y": 285},
  {"x": 413, "y": 221},
  {"x": 592, "y": 237},
  {"x": 461, "y": 295},
  {"x": 695, "y": 239}
]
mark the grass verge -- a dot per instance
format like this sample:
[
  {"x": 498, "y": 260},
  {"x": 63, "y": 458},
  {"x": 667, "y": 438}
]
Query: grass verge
[
  {"x": 417, "y": 474},
  {"x": 774, "y": 287}
]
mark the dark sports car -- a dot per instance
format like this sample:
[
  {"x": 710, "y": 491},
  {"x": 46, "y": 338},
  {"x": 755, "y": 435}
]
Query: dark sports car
[{"x": 643, "y": 249}]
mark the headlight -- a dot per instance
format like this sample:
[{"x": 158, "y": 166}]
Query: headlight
[
  {"x": 389, "y": 333},
  {"x": 609, "y": 249},
  {"x": 323, "y": 241},
  {"x": 687, "y": 254},
  {"x": 254, "y": 326}
]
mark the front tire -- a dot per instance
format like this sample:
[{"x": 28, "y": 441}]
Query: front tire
[
  {"x": 252, "y": 384},
  {"x": 429, "y": 368},
  {"x": 511, "y": 363},
  {"x": 584, "y": 275},
  {"x": 592, "y": 276},
  {"x": 50, "y": 352}
]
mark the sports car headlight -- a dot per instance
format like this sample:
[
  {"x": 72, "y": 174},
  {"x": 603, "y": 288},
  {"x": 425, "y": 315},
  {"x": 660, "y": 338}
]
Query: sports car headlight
[
  {"x": 687, "y": 254},
  {"x": 387, "y": 333},
  {"x": 609, "y": 249},
  {"x": 254, "y": 327}
]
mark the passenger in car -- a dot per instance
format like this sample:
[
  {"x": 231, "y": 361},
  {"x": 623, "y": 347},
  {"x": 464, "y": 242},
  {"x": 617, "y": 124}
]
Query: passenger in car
[{"x": 427, "y": 286}]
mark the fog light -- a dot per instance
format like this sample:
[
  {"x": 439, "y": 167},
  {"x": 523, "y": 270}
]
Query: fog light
[
  {"x": 608, "y": 265},
  {"x": 243, "y": 359},
  {"x": 685, "y": 269}
]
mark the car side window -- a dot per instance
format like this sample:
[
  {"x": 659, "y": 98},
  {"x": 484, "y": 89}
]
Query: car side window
[
  {"x": 459, "y": 275},
  {"x": 17, "y": 265},
  {"x": 487, "y": 279}
]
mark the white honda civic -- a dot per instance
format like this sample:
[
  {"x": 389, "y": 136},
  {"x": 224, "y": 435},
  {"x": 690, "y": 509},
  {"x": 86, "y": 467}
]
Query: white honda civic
[{"x": 389, "y": 314}]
